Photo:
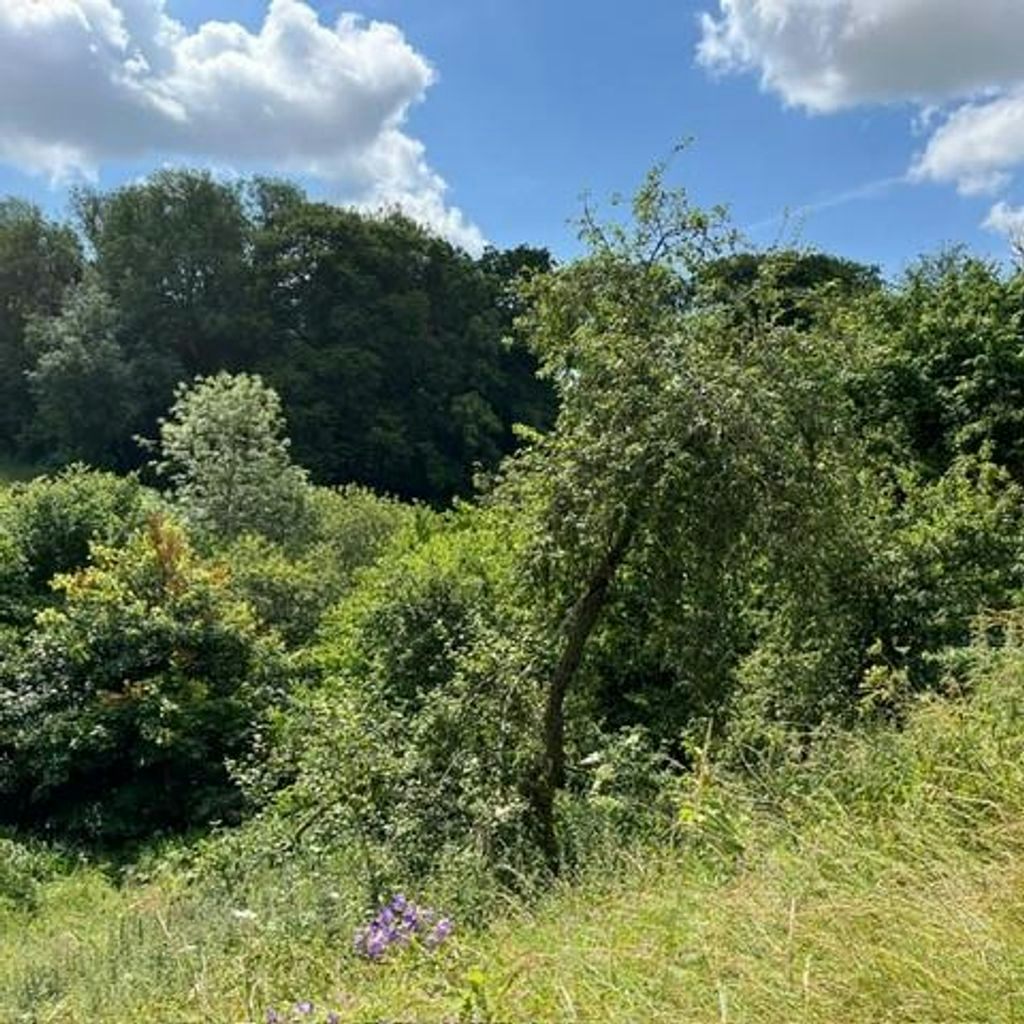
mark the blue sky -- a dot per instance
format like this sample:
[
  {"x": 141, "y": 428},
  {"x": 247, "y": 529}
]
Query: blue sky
[{"x": 519, "y": 106}]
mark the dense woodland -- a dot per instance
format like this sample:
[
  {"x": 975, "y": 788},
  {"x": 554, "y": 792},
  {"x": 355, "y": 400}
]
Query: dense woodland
[
  {"x": 386, "y": 345},
  {"x": 360, "y": 565}
]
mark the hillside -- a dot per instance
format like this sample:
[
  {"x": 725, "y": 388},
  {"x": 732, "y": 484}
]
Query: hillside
[
  {"x": 428, "y": 598},
  {"x": 703, "y": 704},
  {"x": 881, "y": 880}
]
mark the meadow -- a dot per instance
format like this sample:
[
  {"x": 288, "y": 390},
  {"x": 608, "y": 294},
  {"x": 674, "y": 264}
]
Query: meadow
[{"x": 881, "y": 881}]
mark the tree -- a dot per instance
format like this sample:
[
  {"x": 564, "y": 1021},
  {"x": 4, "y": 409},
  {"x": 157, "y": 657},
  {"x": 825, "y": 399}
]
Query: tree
[
  {"x": 85, "y": 391},
  {"x": 387, "y": 346},
  {"x": 224, "y": 452},
  {"x": 803, "y": 284},
  {"x": 948, "y": 373},
  {"x": 172, "y": 253},
  {"x": 691, "y": 447},
  {"x": 39, "y": 259},
  {"x": 386, "y": 343}
]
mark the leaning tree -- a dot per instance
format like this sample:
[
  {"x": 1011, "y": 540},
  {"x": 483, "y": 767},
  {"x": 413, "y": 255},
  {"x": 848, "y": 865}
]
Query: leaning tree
[{"x": 695, "y": 439}]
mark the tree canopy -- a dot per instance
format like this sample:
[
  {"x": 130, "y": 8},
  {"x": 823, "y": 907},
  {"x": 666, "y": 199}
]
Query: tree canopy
[
  {"x": 704, "y": 498},
  {"x": 390, "y": 348}
]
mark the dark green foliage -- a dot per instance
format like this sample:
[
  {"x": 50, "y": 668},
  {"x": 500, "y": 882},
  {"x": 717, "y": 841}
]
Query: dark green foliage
[
  {"x": 120, "y": 706},
  {"x": 38, "y": 261},
  {"x": 171, "y": 253},
  {"x": 948, "y": 373},
  {"x": 386, "y": 344},
  {"x": 798, "y": 280},
  {"x": 83, "y": 387}
]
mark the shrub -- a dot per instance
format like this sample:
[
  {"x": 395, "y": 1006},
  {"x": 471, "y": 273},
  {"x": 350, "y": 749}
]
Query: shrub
[
  {"x": 122, "y": 704},
  {"x": 48, "y": 524},
  {"x": 24, "y": 866},
  {"x": 410, "y": 738},
  {"x": 291, "y": 585}
]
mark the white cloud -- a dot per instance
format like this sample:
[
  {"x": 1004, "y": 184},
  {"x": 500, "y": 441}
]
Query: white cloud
[
  {"x": 84, "y": 82},
  {"x": 978, "y": 145},
  {"x": 1006, "y": 220},
  {"x": 960, "y": 62},
  {"x": 828, "y": 54}
]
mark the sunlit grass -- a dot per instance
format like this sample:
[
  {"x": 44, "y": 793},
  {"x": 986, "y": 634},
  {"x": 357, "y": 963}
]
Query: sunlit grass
[{"x": 882, "y": 882}]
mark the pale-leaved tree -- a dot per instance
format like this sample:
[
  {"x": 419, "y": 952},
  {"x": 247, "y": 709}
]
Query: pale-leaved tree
[{"x": 224, "y": 451}]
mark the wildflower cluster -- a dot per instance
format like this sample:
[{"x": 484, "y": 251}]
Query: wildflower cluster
[
  {"x": 398, "y": 924},
  {"x": 303, "y": 1012}
]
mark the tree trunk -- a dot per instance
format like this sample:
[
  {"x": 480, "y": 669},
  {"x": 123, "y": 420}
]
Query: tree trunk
[{"x": 580, "y": 624}]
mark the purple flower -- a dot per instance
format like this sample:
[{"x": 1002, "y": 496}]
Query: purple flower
[
  {"x": 305, "y": 1007},
  {"x": 398, "y": 924},
  {"x": 273, "y": 1017},
  {"x": 440, "y": 932}
]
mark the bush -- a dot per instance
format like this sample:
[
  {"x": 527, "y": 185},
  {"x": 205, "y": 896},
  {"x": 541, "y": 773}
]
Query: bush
[
  {"x": 122, "y": 704},
  {"x": 24, "y": 866},
  {"x": 48, "y": 525},
  {"x": 291, "y": 585},
  {"x": 411, "y": 738}
]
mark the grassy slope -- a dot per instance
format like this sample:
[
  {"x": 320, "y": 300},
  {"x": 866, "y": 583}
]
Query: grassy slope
[{"x": 883, "y": 881}]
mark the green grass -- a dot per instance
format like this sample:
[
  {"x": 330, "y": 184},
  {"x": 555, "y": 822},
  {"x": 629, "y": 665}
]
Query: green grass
[{"x": 882, "y": 880}]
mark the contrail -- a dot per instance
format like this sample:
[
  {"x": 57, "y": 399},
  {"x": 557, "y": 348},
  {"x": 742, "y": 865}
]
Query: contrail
[{"x": 869, "y": 190}]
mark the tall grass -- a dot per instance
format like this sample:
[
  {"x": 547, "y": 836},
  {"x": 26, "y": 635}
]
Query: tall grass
[{"x": 879, "y": 879}]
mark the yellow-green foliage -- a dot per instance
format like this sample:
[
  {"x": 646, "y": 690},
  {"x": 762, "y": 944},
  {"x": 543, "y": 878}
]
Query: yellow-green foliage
[
  {"x": 291, "y": 585},
  {"x": 882, "y": 879}
]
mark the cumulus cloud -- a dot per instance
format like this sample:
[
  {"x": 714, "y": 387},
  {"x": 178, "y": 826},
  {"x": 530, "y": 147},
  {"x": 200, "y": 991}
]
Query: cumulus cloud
[
  {"x": 978, "y": 145},
  {"x": 825, "y": 55},
  {"x": 961, "y": 63},
  {"x": 85, "y": 82},
  {"x": 1006, "y": 220}
]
